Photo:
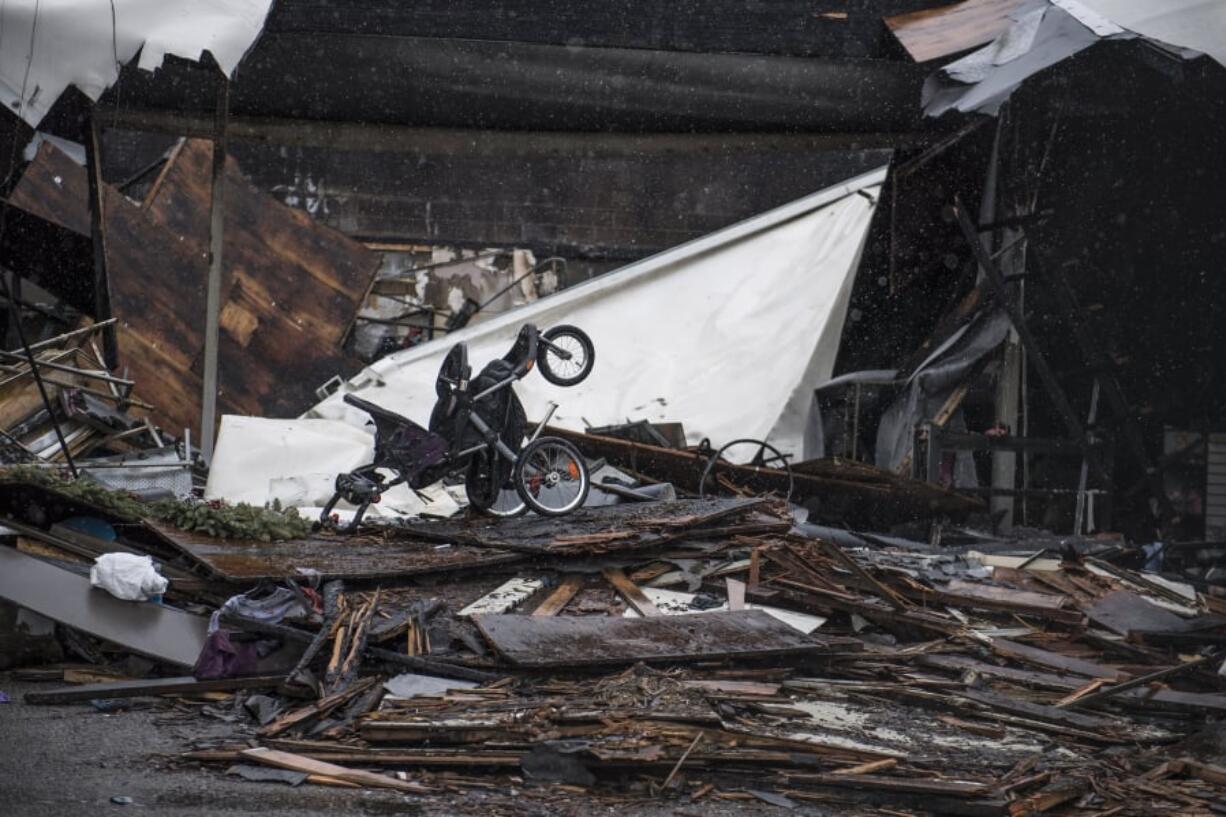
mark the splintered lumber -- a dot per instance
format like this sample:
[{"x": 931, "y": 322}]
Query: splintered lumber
[
  {"x": 630, "y": 592},
  {"x": 426, "y": 665},
  {"x": 1056, "y": 793},
  {"x": 560, "y": 597},
  {"x": 332, "y": 600},
  {"x": 892, "y": 598},
  {"x": 532, "y": 641},
  {"x": 870, "y": 767},
  {"x": 1038, "y": 712},
  {"x": 357, "y": 644},
  {"x": 315, "y": 710},
  {"x": 950, "y": 788},
  {"x": 1141, "y": 680},
  {"x": 297, "y": 763},
  {"x": 154, "y": 686},
  {"x": 1064, "y": 663},
  {"x": 929, "y": 796}
]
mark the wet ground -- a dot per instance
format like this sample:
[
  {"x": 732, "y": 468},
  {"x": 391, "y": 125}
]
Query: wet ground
[{"x": 70, "y": 761}]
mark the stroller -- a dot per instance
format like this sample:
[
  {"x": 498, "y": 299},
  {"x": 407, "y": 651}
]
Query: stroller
[{"x": 477, "y": 428}]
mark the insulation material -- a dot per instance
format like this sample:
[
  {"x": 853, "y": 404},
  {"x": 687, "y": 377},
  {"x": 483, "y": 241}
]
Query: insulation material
[
  {"x": 47, "y": 46},
  {"x": 728, "y": 334},
  {"x": 254, "y": 454}
]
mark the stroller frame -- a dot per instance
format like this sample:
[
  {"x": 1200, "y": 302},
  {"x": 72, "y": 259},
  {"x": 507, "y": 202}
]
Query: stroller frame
[{"x": 419, "y": 457}]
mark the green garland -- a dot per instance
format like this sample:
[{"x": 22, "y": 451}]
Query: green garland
[{"x": 241, "y": 521}]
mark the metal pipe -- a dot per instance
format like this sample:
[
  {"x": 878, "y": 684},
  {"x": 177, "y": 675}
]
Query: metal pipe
[
  {"x": 60, "y": 367},
  {"x": 541, "y": 425}
]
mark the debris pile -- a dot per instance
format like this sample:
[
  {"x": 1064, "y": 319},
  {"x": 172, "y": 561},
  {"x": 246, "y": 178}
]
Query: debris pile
[{"x": 699, "y": 648}]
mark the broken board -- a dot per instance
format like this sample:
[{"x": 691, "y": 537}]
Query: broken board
[
  {"x": 538, "y": 641},
  {"x": 290, "y": 287},
  {"x": 361, "y": 556}
]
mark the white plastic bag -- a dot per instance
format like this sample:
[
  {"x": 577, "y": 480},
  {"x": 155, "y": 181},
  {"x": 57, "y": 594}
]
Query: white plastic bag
[{"x": 128, "y": 576}]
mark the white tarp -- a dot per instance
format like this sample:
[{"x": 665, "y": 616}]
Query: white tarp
[
  {"x": 47, "y": 45},
  {"x": 295, "y": 462},
  {"x": 1196, "y": 24},
  {"x": 728, "y": 334}
]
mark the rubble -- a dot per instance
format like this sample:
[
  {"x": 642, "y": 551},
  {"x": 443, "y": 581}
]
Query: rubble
[
  {"x": 871, "y": 676},
  {"x": 808, "y": 537}
]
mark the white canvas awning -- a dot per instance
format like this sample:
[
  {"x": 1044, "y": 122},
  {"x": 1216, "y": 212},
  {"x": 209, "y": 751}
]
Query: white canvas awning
[{"x": 728, "y": 334}]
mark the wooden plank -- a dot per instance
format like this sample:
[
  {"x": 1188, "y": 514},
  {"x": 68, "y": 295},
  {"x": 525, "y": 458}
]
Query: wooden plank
[
  {"x": 532, "y": 641},
  {"x": 315, "y": 710},
  {"x": 1038, "y": 712},
  {"x": 1064, "y": 663},
  {"x": 1123, "y": 611},
  {"x": 185, "y": 685},
  {"x": 503, "y": 598},
  {"x": 630, "y": 592},
  {"x": 930, "y": 34},
  {"x": 361, "y": 777},
  {"x": 1148, "y": 678},
  {"x": 560, "y": 597},
  {"x": 736, "y": 594},
  {"x": 1007, "y": 596}
]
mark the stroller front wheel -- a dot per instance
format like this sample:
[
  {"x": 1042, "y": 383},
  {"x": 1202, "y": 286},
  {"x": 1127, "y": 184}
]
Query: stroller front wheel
[
  {"x": 566, "y": 356},
  {"x": 551, "y": 476}
]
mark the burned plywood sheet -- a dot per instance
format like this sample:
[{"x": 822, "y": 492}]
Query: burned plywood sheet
[
  {"x": 1122, "y": 611},
  {"x": 930, "y": 34},
  {"x": 366, "y": 556},
  {"x": 550, "y": 641},
  {"x": 290, "y": 287},
  {"x": 159, "y": 632},
  {"x": 612, "y": 528}
]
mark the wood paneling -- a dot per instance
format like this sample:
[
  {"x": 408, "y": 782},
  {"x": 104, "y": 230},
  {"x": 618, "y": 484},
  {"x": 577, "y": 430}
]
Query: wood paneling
[
  {"x": 290, "y": 286},
  {"x": 939, "y": 32}
]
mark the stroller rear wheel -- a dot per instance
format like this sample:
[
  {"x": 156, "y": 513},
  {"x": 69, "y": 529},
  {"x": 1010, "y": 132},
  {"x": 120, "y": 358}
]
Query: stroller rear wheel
[{"x": 551, "y": 476}]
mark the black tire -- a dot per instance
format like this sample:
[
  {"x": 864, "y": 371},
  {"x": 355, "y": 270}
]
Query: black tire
[
  {"x": 504, "y": 503},
  {"x": 557, "y": 369},
  {"x": 551, "y": 476}
]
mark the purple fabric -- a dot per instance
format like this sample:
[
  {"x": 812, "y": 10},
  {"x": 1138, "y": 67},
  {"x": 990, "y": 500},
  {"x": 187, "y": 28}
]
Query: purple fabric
[{"x": 222, "y": 658}]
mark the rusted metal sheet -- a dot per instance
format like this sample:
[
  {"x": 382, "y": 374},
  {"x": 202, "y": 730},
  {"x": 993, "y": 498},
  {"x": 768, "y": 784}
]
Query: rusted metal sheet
[
  {"x": 539, "y": 641},
  {"x": 366, "y": 556},
  {"x": 612, "y": 528},
  {"x": 933, "y": 33}
]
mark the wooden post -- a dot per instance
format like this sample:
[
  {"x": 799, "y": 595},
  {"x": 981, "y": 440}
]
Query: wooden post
[
  {"x": 97, "y": 231},
  {"x": 208, "y": 411}
]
